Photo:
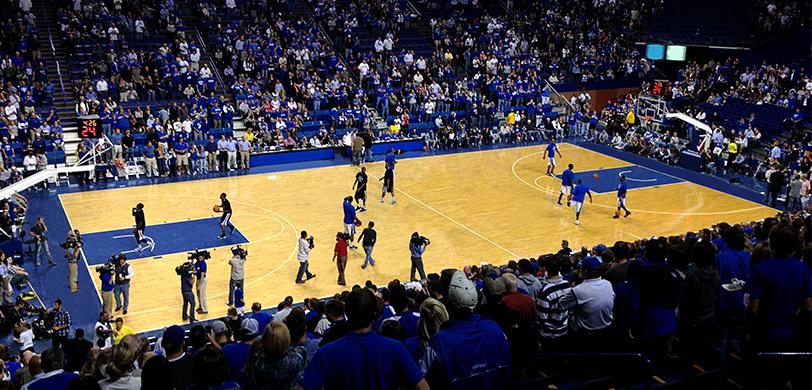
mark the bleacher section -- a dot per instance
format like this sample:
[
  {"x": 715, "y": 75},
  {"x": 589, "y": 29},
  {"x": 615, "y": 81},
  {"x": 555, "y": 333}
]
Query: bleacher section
[
  {"x": 720, "y": 23},
  {"x": 769, "y": 118}
]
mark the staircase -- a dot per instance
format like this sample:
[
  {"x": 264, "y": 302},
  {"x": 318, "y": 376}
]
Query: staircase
[{"x": 55, "y": 56}]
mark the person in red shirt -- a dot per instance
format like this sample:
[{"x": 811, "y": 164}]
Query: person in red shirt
[
  {"x": 340, "y": 256},
  {"x": 521, "y": 305}
]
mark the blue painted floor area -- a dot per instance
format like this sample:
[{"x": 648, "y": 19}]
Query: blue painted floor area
[
  {"x": 636, "y": 177},
  {"x": 52, "y": 282},
  {"x": 169, "y": 238},
  {"x": 699, "y": 178}
]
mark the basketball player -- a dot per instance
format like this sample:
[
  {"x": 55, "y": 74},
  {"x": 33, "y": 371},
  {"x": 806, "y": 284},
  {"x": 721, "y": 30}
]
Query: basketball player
[
  {"x": 360, "y": 187},
  {"x": 567, "y": 178},
  {"x": 549, "y": 154},
  {"x": 578, "y": 194},
  {"x": 388, "y": 184},
  {"x": 225, "y": 219},
  {"x": 621, "y": 198},
  {"x": 349, "y": 221},
  {"x": 140, "y": 225}
]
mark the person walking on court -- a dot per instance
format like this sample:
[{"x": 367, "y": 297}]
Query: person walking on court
[
  {"x": 349, "y": 221},
  {"x": 340, "y": 256},
  {"x": 368, "y": 238},
  {"x": 388, "y": 184},
  {"x": 225, "y": 219},
  {"x": 549, "y": 154},
  {"x": 621, "y": 198},
  {"x": 72, "y": 245},
  {"x": 360, "y": 187},
  {"x": 305, "y": 246},
  {"x": 38, "y": 231},
  {"x": 578, "y": 195},
  {"x": 417, "y": 246},
  {"x": 124, "y": 274},
  {"x": 567, "y": 178},
  {"x": 140, "y": 226}
]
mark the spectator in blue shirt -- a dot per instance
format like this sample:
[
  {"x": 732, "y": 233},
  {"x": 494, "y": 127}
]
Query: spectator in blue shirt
[
  {"x": 53, "y": 377},
  {"x": 733, "y": 263},
  {"x": 780, "y": 295},
  {"x": 362, "y": 359},
  {"x": 468, "y": 353},
  {"x": 262, "y": 317},
  {"x": 407, "y": 318}
]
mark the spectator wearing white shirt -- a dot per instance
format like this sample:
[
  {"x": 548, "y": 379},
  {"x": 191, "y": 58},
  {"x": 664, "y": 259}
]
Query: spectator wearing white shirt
[{"x": 29, "y": 164}]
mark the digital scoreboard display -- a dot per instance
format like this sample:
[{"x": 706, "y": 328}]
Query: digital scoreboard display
[{"x": 90, "y": 127}]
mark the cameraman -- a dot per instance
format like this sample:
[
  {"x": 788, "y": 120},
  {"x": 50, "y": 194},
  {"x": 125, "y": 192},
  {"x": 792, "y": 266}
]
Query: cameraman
[
  {"x": 186, "y": 272},
  {"x": 201, "y": 281},
  {"x": 305, "y": 246},
  {"x": 107, "y": 287},
  {"x": 237, "y": 263},
  {"x": 72, "y": 246},
  {"x": 417, "y": 245},
  {"x": 124, "y": 274}
]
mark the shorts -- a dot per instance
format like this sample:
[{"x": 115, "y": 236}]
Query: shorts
[
  {"x": 225, "y": 219},
  {"x": 182, "y": 160},
  {"x": 360, "y": 195},
  {"x": 389, "y": 186},
  {"x": 621, "y": 202},
  {"x": 349, "y": 228},
  {"x": 551, "y": 161},
  {"x": 566, "y": 190},
  {"x": 577, "y": 206},
  {"x": 139, "y": 235}
]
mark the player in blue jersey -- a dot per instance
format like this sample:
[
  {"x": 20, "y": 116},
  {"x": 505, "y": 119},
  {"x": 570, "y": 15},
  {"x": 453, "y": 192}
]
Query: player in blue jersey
[
  {"x": 549, "y": 154},
  {"x": 578, "y": 194},
  {"x": 621, "y": 198},
  {"x": 567, "y": 179}
]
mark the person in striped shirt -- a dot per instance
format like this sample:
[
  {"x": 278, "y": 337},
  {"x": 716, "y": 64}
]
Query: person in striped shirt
[{"x": 552, "y": 317}]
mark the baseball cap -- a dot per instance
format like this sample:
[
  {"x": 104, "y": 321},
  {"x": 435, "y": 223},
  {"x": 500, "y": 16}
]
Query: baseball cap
[
  {"x": 173, "y": 337},
  {"x": 218, "y": 327},
  {"x": 495, "y": 286},
  {"x": 599, "y": 249},
  {"x": 249, "y": 327},
  {"x": 461, "y": 291},
  {"x": 591, "y": 263}
]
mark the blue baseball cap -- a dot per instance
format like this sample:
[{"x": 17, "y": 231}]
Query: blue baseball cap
[{"x": 591, "y": 263}]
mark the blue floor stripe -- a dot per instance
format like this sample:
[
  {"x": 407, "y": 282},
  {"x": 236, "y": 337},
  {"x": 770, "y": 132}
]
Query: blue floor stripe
[{"x": 169, "y": 238}]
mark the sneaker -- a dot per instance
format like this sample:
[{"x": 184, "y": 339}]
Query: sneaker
[
  {"x": 198, "y": 310},
  {"x": 381, "y": 200},
  {"x": 124, "y": 312},
  {"x": 233, "y": 228},
  {"x": 311, "y": 276},
  {"x": 118, "y": 308},
  {"x": 363, "y": 209},
  {"x": 577, "y": 222},
  {"x": 615, "y": 216},
  {"x": 222, "y": 236},
  {"x": 363, "y": 267},
  {"x": 300, "y": 282},
  {"x": 393, "y": 201},
  {"x": 559, "y": 205},
  {"x": 628, "y": 213}
]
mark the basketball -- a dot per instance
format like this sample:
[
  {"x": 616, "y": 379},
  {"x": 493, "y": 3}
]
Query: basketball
[
  {"x": 357, "y": 222},
  {"x": 216, "y": 208},
  {"x": 596, "y": 176}
]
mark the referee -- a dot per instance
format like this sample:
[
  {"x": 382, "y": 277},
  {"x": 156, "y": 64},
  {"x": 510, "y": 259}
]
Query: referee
[
  {"x": 140, "y": 225},
  {"x": 225, "y": 219}
]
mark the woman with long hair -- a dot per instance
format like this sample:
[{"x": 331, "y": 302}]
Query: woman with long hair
[
  {"x": 433, "y": 315},
  {"x": 274, "y": 363}
]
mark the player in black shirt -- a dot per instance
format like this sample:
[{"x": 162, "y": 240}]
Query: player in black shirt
[
  {"x": 388, "y": 184},
  {"x": 225, "y": 219},
  {"x": 360, "y": 187},
  {"x": 140, "y": 225}
]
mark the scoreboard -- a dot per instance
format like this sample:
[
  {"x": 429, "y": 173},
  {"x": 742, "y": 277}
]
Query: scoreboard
[{"x": 90, "y": 127}]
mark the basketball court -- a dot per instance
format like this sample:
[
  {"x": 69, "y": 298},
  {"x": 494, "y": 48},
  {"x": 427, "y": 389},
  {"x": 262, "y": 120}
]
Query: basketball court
[{"x": 492, "y": 206}]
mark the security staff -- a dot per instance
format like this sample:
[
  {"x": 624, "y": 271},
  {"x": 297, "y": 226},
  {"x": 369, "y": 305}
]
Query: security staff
[
  {"x": 124, "y": 274},
  {"x": 72, "y": 245}
]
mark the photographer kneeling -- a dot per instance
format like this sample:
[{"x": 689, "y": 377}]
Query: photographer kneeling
[{"x": 417, "y": 245}]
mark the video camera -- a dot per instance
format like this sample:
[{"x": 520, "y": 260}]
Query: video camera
[
  {"x": 196, "y": 254},
  {"x": 239, "y": 251},
  {"x": 186, "y": 270},
  {"x": 109, "y": 267}
]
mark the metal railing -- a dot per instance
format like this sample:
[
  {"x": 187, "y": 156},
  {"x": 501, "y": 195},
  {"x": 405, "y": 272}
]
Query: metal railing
[{"x": 58, "y": 67}]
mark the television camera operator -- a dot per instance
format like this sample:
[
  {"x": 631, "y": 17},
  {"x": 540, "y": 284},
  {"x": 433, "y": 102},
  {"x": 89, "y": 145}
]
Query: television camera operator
[
  {"x": 237, "y": 262},
  {"x": 188, "y": 273},
  {"x": 107, "y": 273},
  {"x": 124, "y": 274},
  {"x": 72, "y": 247},
  {"x": 417, "y": 246}
]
